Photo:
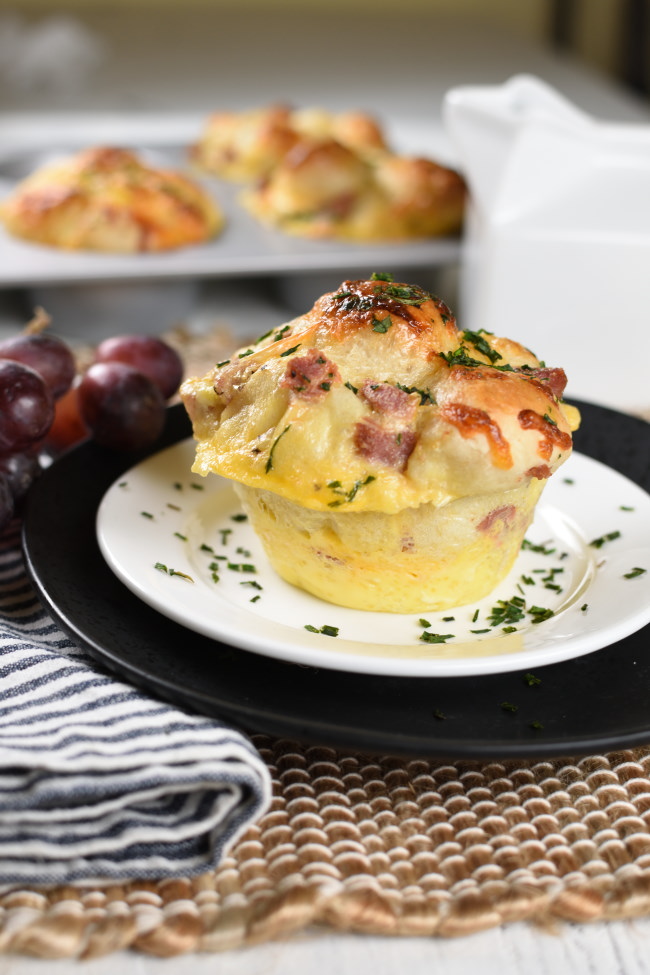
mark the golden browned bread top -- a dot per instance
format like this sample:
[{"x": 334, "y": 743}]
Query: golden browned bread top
[
  {"x": 107, "y": 199},
  {"x": 245, "y": 146},
  {"x": 376, "y": 400},
  {"x": 322, "y": 188}
]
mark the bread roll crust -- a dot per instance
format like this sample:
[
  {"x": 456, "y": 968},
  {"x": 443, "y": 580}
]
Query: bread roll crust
[{"x": 107, "y": 199}]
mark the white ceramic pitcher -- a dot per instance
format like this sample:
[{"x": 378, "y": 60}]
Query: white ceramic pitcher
[{"x": 557, "y": 241}]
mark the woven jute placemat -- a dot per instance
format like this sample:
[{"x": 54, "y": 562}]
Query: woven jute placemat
[{"x": 385, "y": 846}]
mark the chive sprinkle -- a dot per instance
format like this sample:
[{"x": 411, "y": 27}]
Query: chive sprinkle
[
  {"x": 636, "y": 571},
  {"x": 609, "y": 537},
  {"x": 269, "y": 462},
  {"x": 427, "y": 637}
]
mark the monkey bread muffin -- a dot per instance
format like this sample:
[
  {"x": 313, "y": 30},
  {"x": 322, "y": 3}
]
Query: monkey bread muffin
[
  {"x": 387, "y": 459},
  {"x": 107, "y": 199},
  {"x": 246, "y": 146}
]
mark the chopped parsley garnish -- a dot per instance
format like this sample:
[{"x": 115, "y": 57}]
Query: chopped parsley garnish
[
  {"x": 609, "y": 537},
  {"x": 269, "y": 462},
  {"x": 509, "y": 629},
  {"x": 352, "y": 302},
  {"x": 480, "y": 344},
  {"x": 532, "y": 680},
  {"x": 381, "y": 276},
  {"x": 541, "y": 549},
  {"x": 424, "y": 394},
  {"x": 427, "y": 637},
  {"x": 265, "y": 336},
  {"x": 325, "y": 386},
  {"x": 540, "y": 614},
  {"x": 636, "y": 571},
  {"x": 507, "y": 706},
  {"x": 347, "y": 495},
  {"x": 325, "y": 630},
  {"x": 408, "y": 294},
  {"x": 172, "y": 572},
  {"x": 507, "y": 612},
  {"x": 459, "y": 357},
  {"x": 293, "y": 348},
  {"x": 381, "y": 325},
  {"x": 537, "y": 725}
]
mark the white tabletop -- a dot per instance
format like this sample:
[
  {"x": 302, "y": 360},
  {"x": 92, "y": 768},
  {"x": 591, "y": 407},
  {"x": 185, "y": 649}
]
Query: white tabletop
[{"x": 398, "y": 68}]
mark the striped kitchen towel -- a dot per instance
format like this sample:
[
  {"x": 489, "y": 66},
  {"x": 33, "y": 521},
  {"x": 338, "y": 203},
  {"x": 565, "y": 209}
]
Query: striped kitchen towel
[{"x": 97, "y": 780}]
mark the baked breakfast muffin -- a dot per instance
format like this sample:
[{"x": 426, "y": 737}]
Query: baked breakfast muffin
[
  {"x": 246, "y": 146},
  {"x": 324, "y": 189},
  {"x": 107, "y": 199},
  {"x": 387, "y": 459}
]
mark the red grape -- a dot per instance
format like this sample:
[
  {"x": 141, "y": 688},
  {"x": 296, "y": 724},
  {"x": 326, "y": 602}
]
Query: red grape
[
  {"x": 47, "y": 355},
  {"x": 26, "y": 406},
  {"x": 20, "y": 471},
  {"x": 147, "y": 354},
  {"x": 122, "y": 407},
  {"x": 6, "y": 503}
]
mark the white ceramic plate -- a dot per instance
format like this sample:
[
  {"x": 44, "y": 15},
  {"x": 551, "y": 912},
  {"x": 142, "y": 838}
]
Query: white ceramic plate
[{"x": 168, "y": 535}]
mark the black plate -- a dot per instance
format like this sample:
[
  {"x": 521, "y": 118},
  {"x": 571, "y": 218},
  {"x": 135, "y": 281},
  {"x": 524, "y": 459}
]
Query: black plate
[{"x": 594, "y": 703}]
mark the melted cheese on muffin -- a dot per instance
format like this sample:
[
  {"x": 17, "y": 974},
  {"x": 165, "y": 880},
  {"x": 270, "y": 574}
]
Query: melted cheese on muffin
[{"x": 377, "y": 380}]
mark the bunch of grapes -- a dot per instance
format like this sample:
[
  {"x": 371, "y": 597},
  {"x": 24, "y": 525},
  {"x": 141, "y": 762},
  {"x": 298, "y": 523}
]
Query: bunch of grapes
[{"x": 119, "y": 400}]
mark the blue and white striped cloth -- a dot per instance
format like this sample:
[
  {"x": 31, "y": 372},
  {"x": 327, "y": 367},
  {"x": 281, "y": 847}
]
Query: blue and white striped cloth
[{"x": 97, "y": 780}]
